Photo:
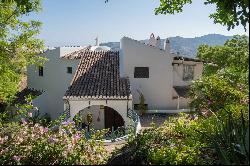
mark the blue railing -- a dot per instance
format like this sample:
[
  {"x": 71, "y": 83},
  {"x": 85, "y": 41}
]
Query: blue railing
[{"x": 133, "y": 115}]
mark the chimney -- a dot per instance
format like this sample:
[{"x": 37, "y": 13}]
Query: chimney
[
  {"x": 97, "y": 41},
  {"x": 167, "y": 46},
  {"x": 152, "y": 40},
  {"x": 158, "y": 42}
]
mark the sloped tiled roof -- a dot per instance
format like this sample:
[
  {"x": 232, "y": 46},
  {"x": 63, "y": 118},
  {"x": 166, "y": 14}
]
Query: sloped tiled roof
[
  {"x": 97, "y": 76},
  {"x": 76, "y": 54}
]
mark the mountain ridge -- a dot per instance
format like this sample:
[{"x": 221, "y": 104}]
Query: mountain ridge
[{"x": 185, "y": 46}]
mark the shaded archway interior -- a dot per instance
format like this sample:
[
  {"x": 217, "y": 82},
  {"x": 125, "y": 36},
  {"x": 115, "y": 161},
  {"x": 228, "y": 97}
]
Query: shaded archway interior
[{"x": 112, "y": 119}]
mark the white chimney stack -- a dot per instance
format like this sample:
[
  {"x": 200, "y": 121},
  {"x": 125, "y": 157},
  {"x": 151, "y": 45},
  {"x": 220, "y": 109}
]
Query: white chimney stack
[
  {"x": 97, "y": 41},
  {"x": 167, "y": 46},
  {"x": 152, "y": 40},
  {"x": 158, "y": 42}
]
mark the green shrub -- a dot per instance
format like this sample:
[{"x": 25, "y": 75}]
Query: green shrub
[
  {"x": 175, "y": 142},
  {"x": 220, "y": 138}
]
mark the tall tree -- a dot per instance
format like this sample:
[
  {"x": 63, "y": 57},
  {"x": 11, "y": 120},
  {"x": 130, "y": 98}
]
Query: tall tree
[
  {"x": 225, "y": 80},
  {"x": 230, "y": 13},
  {"x": 19, "y": 45}
]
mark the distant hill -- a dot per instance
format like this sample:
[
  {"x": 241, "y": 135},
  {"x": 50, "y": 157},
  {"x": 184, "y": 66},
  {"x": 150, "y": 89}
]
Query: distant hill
[{"x": 186, "y": 46}]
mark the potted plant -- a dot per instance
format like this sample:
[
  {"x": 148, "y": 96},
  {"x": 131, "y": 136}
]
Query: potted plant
[{"x": 142, "y": 106}]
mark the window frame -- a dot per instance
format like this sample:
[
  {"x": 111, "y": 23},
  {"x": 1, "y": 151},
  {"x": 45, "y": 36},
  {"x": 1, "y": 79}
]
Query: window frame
[
  {"x": 141, "y": 75},
  {"x": 40, "y": 71},
  {"x": 71, "y": 70},
  {"x": 136, "y": 106}
]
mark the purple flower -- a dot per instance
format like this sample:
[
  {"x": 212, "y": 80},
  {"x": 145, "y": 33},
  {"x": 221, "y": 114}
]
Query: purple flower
[
  {"x": 194, "y": 117},
  {"x": 77, "y": 136},
  {"x": 209, "y": 102},
  {"x": 45, "y": 130},
  {"x": 65, "y": 123},
  {"x": 52, "y": 140},
  {"x": 16, "y": 158}
]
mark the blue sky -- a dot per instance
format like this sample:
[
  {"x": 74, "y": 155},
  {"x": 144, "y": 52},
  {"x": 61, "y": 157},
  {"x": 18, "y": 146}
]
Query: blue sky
[{"x": 78, "y": 22}]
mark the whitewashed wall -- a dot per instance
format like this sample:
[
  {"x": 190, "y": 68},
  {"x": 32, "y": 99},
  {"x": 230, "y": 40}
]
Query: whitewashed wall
[
  {"x": 118, "y": 105},
  {"x": 54, "y": 82},
  {"x": 157, "y": 89}
]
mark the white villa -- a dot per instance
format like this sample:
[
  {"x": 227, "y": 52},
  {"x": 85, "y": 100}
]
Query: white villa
[{"x": 105, "y": 83}]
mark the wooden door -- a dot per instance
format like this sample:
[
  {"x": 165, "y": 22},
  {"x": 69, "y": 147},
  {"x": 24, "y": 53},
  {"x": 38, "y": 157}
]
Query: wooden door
[{"x": 112, "y": 118}]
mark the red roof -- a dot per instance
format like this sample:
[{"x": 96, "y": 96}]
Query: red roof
[{"x": 97, "y": 76}]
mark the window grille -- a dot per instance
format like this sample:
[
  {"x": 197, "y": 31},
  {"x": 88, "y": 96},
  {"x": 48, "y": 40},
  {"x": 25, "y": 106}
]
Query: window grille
[
  {"x": 141, "y": 72},
  {"x": 188, "y": 72},
  {"x": 40, "y": 69},
  {"x": 69, "y": 70}
]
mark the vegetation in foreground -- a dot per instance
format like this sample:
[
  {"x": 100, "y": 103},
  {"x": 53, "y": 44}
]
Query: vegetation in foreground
[
  {"x": 217, "y": 133},
  {"x": 25, "y": 139}
]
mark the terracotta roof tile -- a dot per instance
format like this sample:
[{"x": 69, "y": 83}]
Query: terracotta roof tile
[
  {"x": 97, "y": 76},
  {"x": 76, "y": 54}
]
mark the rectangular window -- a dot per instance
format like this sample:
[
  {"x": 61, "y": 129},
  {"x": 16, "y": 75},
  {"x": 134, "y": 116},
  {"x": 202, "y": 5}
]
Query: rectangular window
[
  {"x": 69, "y": 70},
  {"x": 141, "y": 72},
  {"x": 188, "y": 72},
  {"x": 136, "y": 106},
  {"x": 40, "y": 71}
]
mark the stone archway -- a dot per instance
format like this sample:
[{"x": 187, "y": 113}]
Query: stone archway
[{"x": 102, "y": 117}]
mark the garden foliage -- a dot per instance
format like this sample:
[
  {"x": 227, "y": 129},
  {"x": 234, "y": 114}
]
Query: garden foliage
[
  {"x": 24, "y": 139},
  {"x": 19, "y": 45}
]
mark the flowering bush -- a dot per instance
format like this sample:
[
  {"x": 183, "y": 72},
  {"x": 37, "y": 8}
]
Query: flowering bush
[
  {"x": 175, "y": 142},
  {"x": 28, "y": 143}
]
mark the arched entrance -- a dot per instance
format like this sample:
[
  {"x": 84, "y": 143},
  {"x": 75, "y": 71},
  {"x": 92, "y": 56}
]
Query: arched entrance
[
  {"x": 101, "y": 117},
  {"x": 112, "y": 118}
]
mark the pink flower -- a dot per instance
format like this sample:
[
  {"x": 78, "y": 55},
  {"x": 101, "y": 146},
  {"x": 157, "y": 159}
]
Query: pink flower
[
  {"x": 45, "y": 130},
  {"x": 209, "y": 102},
  {"x": 23, "y": 121},
  {"x": 52, "y": 140},
  {"x": 16, "y": 158},
  {"x": 1, "y": 140},
  {"x": 77, "y": 136},
  {"x": 30, "y": 114}
]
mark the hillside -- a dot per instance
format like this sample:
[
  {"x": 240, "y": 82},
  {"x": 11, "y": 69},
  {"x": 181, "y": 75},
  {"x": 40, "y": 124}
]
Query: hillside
[{"x": 186, "y": 46}]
